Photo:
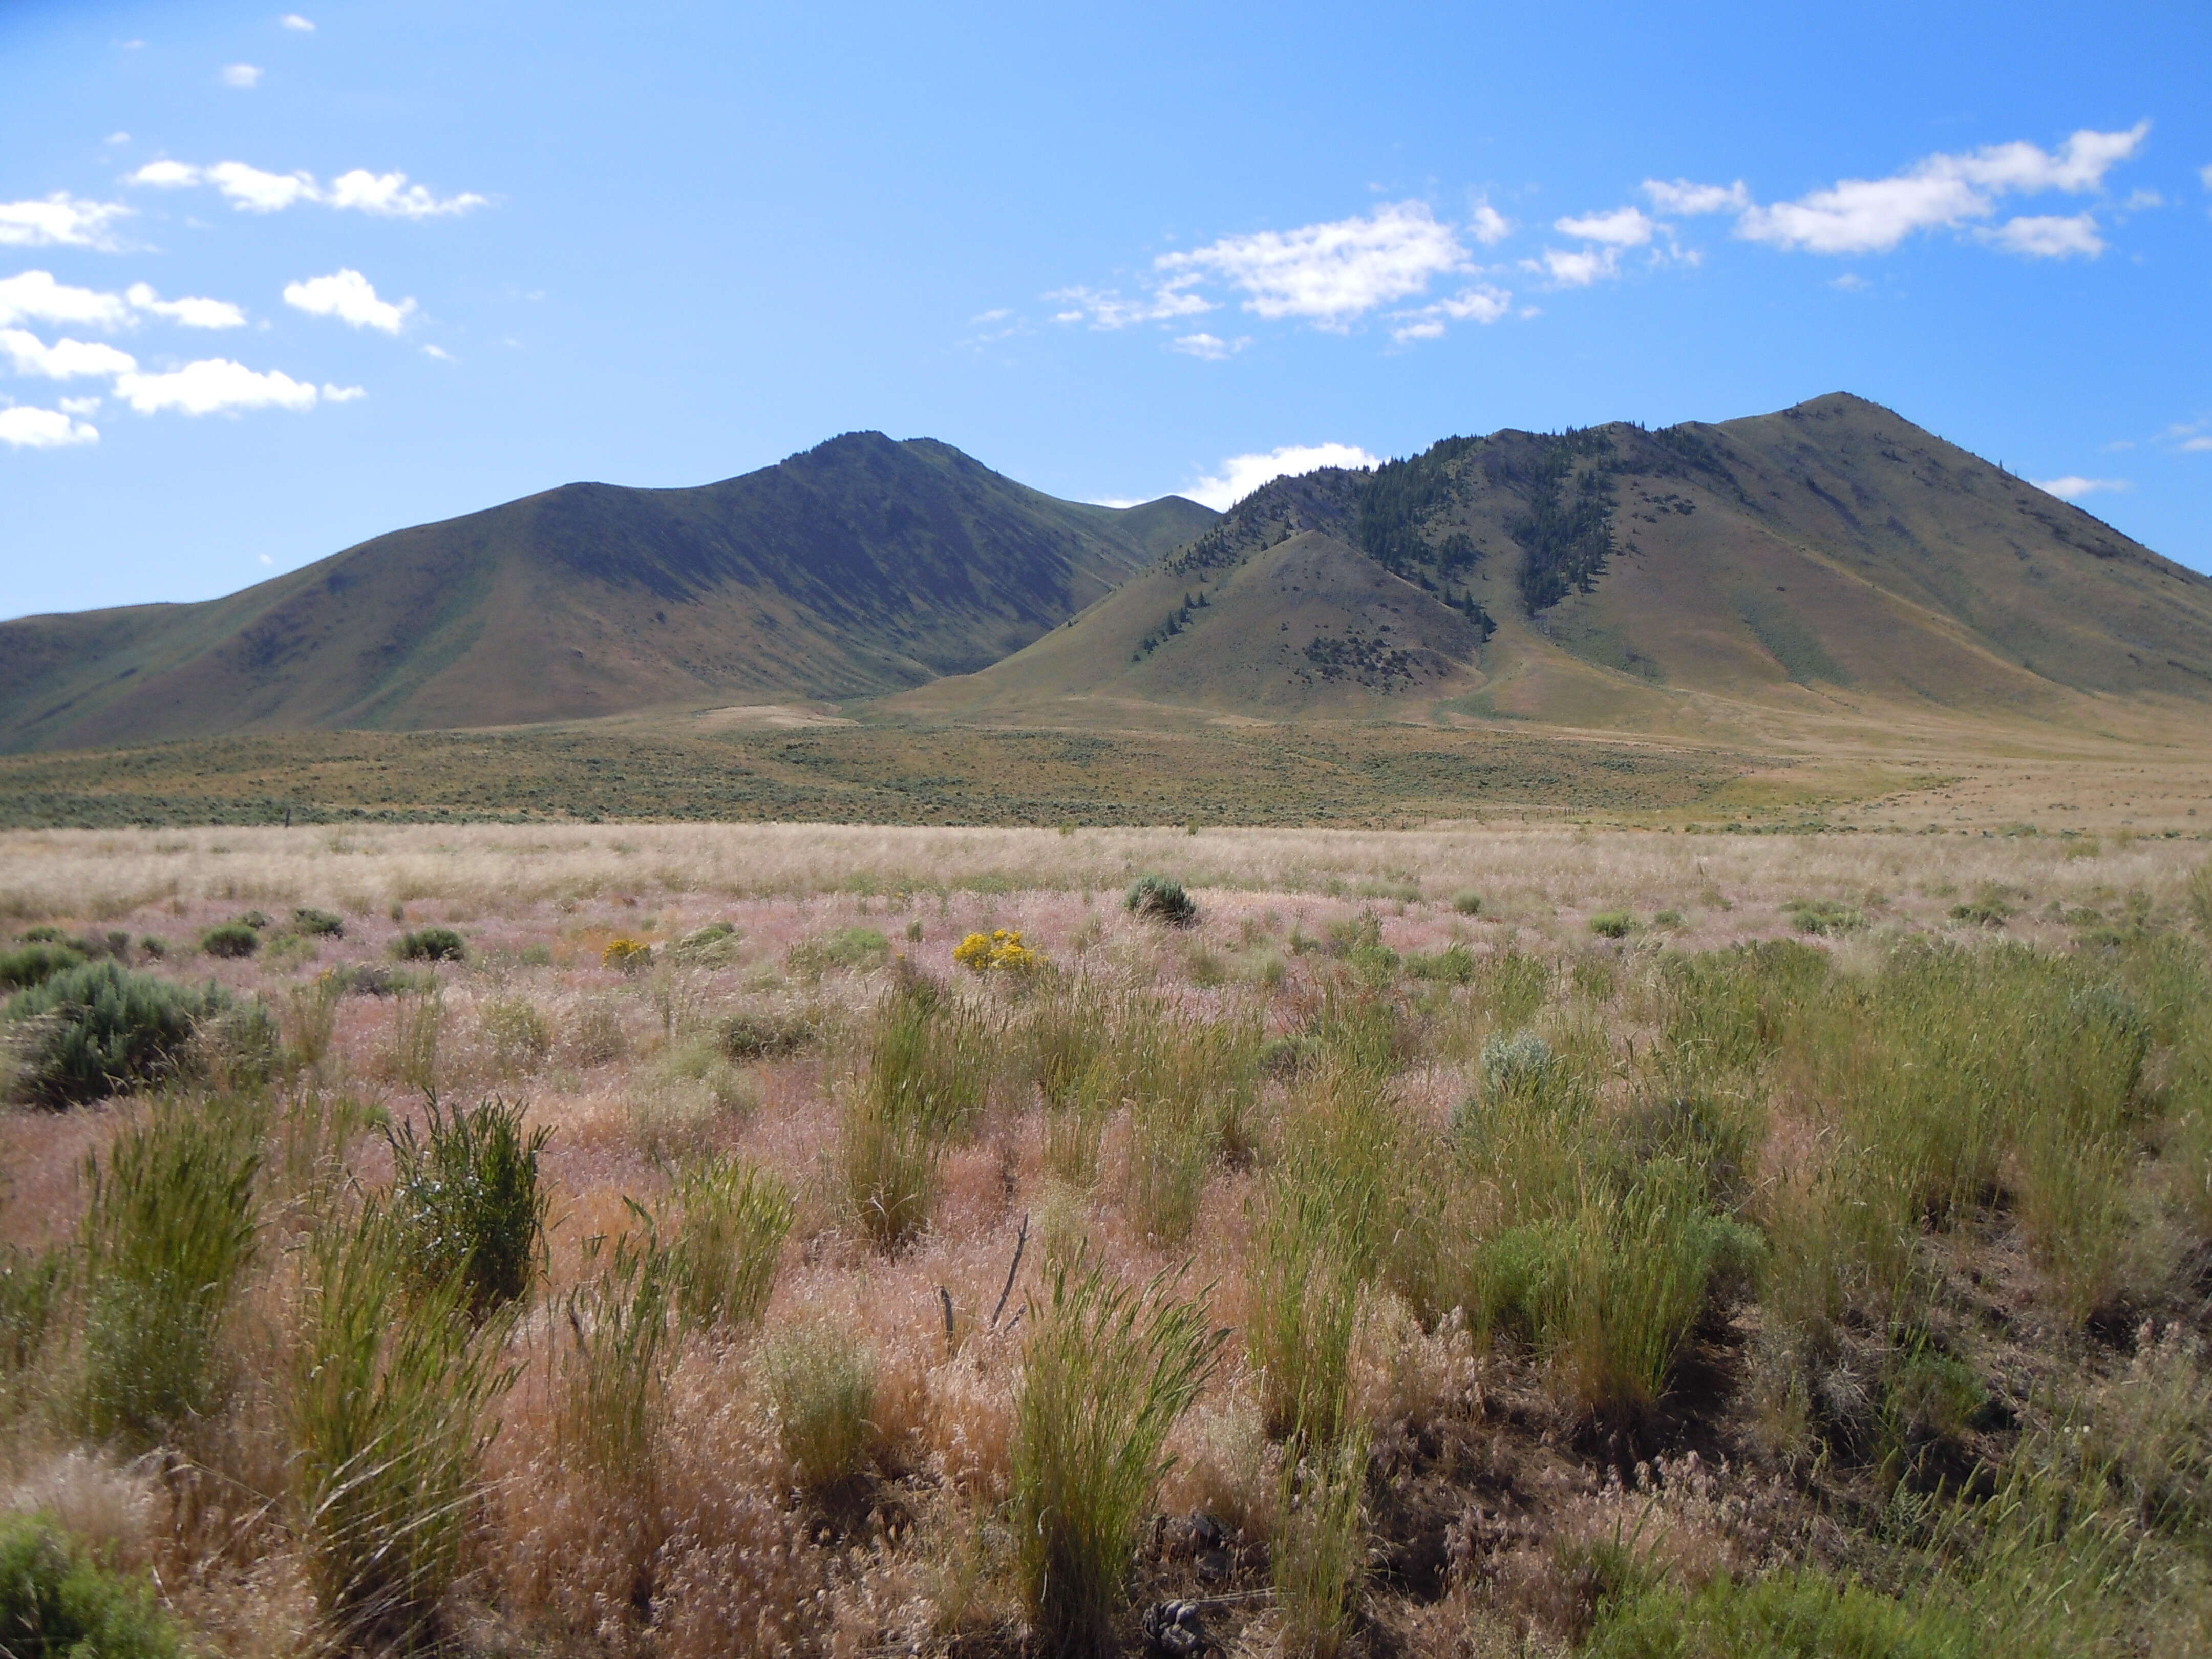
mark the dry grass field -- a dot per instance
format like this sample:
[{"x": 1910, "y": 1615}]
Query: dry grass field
[{"x": 842, "y": 1241}]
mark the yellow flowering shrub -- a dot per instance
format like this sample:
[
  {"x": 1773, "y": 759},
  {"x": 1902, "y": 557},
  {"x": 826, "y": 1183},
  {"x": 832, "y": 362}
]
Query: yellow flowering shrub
[
  {"x": 981, "y": 952},
  {"x": 627, "y": 954}
]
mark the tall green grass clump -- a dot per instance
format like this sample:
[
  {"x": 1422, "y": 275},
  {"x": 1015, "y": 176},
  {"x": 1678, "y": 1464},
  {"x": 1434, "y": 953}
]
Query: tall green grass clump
[
  {"x": 611, "y": 1371},
  {"x": 392, "y": 1393},
  {"x": 467, "y": 1202},
  {"x": 1796, "y": 1614},
  {"x": 930, "y": 1061},
  {"x": 167, "y": 1237},
  {"x": 57, "y": 1601},
  {"x": 1107, "y": 1371},
  {"x": 729, "y": 1243},
  {"x": 822, "y": 1383},
  {"x": 97, "y": 1029},
  {"x": 1319, "y": 1551}
]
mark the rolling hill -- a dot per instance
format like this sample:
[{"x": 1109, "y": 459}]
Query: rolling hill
[
  {"x": 1832, "y": 561},
  {"x": 859, "y": 568}
]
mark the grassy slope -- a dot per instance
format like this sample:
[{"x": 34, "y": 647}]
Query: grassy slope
[{"x": 861, "y": 566}]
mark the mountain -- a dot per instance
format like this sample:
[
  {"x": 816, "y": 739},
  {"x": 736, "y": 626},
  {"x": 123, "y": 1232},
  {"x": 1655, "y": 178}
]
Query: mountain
[
  {"x": 1831, "y": 560},
  {"x": 859, "y": 568}
]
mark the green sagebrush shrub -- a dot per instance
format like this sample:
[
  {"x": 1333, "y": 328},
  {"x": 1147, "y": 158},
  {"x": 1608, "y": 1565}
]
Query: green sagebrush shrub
[
  {"x": 1160, "y": 898},
  {"x": 321, "y": 924},
  {"x": 167, "y": 1236},
  {"x": 35, "y": 963},
  {"x": 56, "y": 1602},
  {"x": 230, "y": 939},
  {"x": 98, "y": 1029},
  {"x": 431, "y": 944},
  {"x": 1107, "y": 1371},
  {"x": 466, "y": 1201}
]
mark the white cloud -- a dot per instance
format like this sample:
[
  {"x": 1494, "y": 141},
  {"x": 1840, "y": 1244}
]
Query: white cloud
[
  {"x": 1211, "y": 347},
  {"x": 292, "y": 19},
  {"x": 2049, "y": 236},
  {"x": 2073, "y": 488},
  {"x": 1109, "y": 310},
  {"x": 192, "y": 313},
  {"x": 243, "y": 76},
  {"x": 86, "y": 407},
  {"x": 1872, "y": 215},
  {"x": 2205, "y": 174},
  {"x": 22, "y": 427},
  {"x": 1622, "y": 227},
  {"x": 60, "y": 220},
  {"x": 165, "y": 175},
  {"x": 214, "y": 385},
  {"x": 65, "y": 359},
  {"x": 118, "y": 137},
  {"x": 2196, "y": 446},
  {"x": 253, "y": 190},
  {"x": 344, "y": 394},
  {"x": 1576, "y": 270},
  {"x": 1851, "y": 282},
  {"x": 439, "y": 352},
  {"x": 1685, "y": 197},
  {"x": 348, "y": 296},
  {"x": 1330, "y": 273},
  {"x": 390, "y": 195},
  {"x": 1240, "y": 475},
  {"x": 35, "y": 296},
  {"x": 1487, "y": 225},
  {"x": 1480, "y": 304},
  {"x": 387, "y": 195}
]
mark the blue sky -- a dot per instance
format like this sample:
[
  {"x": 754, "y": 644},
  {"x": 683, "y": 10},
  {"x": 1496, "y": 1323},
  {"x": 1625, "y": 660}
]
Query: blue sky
[{"x": 272, "y": 283}]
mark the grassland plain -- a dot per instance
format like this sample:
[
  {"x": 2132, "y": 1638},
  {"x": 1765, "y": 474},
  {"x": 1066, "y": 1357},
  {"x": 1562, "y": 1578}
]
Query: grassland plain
[{"x": 1469, "y": 1242}]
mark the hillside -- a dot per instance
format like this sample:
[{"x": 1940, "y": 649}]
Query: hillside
[
  {"x": 861, "y": 567},
  {"x": 1831, "y": 562}
]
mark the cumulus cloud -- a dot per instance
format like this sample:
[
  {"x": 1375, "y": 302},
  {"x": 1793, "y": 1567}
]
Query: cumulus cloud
[
  {"x": 1104, "y": 309},
  {"x": 2073, "y": 488},
  {"x": 191, "y": 313},
  {"x": 1683, "y": 198},
  {"x": 244, "y": 77},
  {"x": 1480, "y": 304},
  {"x": 1943, "y": 191},
  {"x": 165, "y": 175},
  {"x": 22, "y": 427},
  {"x": 33, "y": 296},
  {"x": 61, "y": 220},
  {"x": 292, "y": 19},
  {"x": 439, "y": 352},
  {"x": 390, "y": 195},
  {"x": 214, "y": 385},
  {"x": 1211, "y": 347},
  {"x": 1240, "y": 475},
  {"x": 1622, "y": 227},
  {"x": 1329, "y": 274},
  {"x": 1487, "y": 225},
  {"x": 251, "y": 190},
  {"x": 351, "y": 297},
  {"x": 2049, "y": 236},
  {"x": 342, "y": 394},
  {"x": 65, "y": 359},
  {"x": 1576, "y": 269}
]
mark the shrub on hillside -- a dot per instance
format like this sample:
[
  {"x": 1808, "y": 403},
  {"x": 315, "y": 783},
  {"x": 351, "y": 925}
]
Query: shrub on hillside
[
  {"x": 467, "y": 1201},
  {"x": 97, "y": 1029},
  {"x": 321, "y": 923},
  {"x": 626, "y": 956},
  {"x": 1160, "y": 898},
  {"x": 853, "y": 949},
  {"x": 1612, "y": 924},
  {"x": 1467, "y": 902},
  {"x": 431, "y": 944},
  {"x": 35, "y": 963},
  {"x": 57, "y": 1601},
  {"x": 714, "y": 946},
  {"x": 766, "y": 1035},
  {"x": 233, "y": 939}
]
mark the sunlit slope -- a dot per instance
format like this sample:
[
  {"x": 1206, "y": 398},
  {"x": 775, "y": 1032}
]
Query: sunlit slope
[
  {"x": 861, "y": 567},
  {"x": 1831, "y": 560}
]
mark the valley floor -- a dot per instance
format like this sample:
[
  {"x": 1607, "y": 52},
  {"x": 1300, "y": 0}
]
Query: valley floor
[{"x": 1574, "y": 1240}]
